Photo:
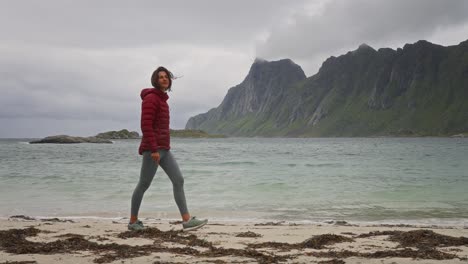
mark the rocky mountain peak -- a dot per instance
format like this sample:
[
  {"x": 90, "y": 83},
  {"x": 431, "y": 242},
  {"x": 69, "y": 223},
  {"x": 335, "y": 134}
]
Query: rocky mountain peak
[
  {"x": 262, "y": 67},
  {"x": 364, "y": 46},
  {"x": 264, "y": 86}
]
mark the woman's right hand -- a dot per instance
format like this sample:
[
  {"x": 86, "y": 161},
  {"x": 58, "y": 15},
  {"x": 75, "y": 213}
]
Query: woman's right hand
[{"x": 156, "y": 157}]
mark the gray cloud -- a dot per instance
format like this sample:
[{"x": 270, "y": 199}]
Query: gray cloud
[
  {"x": 340, "y": 26},
  {"x": 77, "y": 67},
  {"x": 108, "y": 24}
]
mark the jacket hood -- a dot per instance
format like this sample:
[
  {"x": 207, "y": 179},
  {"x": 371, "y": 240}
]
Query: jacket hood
[{"x": 158, "y": 92}]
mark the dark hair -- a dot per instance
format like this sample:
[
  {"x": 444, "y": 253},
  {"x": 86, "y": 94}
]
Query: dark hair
[{"x": 155, "y": 76}]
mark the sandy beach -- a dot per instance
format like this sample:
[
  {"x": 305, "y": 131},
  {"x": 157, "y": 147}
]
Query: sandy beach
[{"x": 26, "y": 239}]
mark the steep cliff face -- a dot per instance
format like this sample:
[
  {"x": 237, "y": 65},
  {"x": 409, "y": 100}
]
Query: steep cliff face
[
  {"x": 421, "y": 89},
  {"x": 254, "y": 99}
]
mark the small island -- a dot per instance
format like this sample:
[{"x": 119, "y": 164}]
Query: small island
[
  {"x": 122, "y": 134},
  {"x": 65, "y": 139}
]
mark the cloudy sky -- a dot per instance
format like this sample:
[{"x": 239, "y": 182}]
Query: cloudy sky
[{"x": 77, "y": 67}]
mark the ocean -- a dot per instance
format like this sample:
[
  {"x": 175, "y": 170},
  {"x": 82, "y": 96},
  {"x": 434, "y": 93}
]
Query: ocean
[{"x": 358, "y": 180}]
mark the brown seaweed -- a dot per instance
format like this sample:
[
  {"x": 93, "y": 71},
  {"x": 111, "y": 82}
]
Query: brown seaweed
[{"x": 248, "y": 234}]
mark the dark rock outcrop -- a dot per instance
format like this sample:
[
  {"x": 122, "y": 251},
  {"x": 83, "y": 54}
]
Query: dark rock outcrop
[{"x": 122, "y": 134}]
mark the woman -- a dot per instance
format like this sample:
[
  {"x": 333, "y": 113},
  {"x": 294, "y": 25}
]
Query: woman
[{"x": 155, "y": 148}]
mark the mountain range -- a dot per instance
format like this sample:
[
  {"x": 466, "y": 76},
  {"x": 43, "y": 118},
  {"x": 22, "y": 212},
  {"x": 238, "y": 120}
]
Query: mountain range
[{"x": 418, "y": 90}]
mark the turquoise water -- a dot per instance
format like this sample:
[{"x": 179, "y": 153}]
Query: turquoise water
[{"x": 402, "y": 180}]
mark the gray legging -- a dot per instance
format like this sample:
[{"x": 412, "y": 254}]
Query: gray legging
[{"x": 148, "y": 170}]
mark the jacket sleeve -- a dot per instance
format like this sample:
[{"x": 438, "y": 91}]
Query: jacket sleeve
[{"x": 149, "y": 108}]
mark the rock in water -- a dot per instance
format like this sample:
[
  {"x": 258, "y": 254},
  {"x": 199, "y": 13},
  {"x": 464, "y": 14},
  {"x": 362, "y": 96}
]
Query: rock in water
[{"x": 122, "y": 134}]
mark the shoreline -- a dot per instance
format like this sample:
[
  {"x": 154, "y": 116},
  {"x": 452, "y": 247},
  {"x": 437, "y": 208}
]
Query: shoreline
[
  {"x": 435, "y": 223},
  {"x": 249, "y": 218},
  {"x": 61, "y": 240}
]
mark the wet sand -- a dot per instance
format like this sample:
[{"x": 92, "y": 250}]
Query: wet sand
[{"x": 28, "y": 240}]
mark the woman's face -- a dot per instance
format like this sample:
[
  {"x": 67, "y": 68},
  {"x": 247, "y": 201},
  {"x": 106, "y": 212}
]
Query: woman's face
[{"x": 163, "y": 80}]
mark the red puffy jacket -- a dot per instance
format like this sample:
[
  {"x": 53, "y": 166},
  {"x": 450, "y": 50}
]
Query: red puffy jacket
[{"x": 154, "y": 120}]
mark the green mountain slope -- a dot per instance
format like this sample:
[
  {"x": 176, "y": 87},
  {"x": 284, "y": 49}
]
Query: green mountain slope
[{"x": 419, "y": 90}]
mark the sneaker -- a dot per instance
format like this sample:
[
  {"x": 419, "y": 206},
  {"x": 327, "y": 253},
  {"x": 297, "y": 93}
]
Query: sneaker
[
  {"x": 138, "y": 225},
  {"x": 193, "y": 224}
]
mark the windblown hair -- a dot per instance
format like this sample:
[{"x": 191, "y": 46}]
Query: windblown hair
[{"x": 154, "y": 77}]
